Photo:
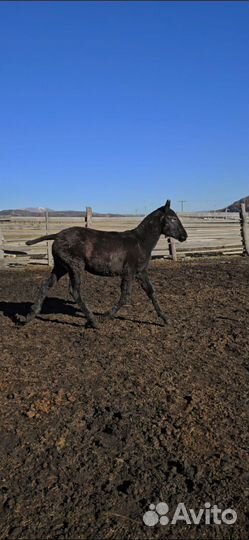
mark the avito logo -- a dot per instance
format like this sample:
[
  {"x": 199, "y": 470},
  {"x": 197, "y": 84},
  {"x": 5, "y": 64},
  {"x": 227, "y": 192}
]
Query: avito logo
[{"x": 209, "y": 515}]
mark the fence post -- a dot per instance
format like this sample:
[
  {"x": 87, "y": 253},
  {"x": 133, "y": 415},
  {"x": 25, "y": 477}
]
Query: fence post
[
  {"x": 244, "y": 229},
  {"x": 1, "y": 246},
  {"x": 172, "y": 248},
  {"x": 49, "y": 245},
  {"x": 88, "y": 216}
]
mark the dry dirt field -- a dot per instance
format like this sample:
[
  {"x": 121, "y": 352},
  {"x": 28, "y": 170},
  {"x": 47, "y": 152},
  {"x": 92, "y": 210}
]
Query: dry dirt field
[{"x": 98, "y": 424}]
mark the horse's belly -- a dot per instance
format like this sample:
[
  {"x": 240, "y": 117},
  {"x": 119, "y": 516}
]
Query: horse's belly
[{"x": 105, "y": 266}]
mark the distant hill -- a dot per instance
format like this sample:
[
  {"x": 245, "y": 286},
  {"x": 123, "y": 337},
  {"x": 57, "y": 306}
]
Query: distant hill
[
  {"x": 235, "y": 206},
  {"x": 37, "y": 212}
]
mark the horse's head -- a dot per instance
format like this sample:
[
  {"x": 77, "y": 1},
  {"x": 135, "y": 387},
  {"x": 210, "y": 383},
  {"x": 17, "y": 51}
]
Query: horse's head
[{"x": 171, "y": 224}]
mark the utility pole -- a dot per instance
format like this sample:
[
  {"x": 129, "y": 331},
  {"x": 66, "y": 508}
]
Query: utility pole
[{"x": 182, "y": 203}]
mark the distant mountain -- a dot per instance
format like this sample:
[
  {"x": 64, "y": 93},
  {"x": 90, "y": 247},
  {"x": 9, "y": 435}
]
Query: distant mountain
[
  {"x": 37, "y": 212},
  {"x": 235, "y": 206},
  {"x": 25, "y": 212}
]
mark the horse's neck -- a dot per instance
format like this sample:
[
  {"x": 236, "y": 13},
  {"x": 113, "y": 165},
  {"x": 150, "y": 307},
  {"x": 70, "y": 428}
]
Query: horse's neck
[{"x": 149, "y": 230}]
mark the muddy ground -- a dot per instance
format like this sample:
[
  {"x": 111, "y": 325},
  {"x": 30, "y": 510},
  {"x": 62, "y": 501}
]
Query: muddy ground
[{"x": 98, "y": 424}]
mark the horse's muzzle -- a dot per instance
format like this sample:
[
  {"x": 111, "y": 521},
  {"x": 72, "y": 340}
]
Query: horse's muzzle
[{"x": 183, "y": 237}]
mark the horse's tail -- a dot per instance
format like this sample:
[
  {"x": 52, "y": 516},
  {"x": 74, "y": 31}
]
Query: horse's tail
[{"x": 40, "y": 239}]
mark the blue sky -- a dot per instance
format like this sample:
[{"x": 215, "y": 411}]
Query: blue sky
[{"x": 120, "y": 105}]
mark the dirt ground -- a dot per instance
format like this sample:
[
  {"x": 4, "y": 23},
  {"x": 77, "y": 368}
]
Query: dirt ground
[{"x": 96, "y": 425}]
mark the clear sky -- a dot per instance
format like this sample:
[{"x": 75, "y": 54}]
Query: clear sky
[{"x": 121, "y": 105}]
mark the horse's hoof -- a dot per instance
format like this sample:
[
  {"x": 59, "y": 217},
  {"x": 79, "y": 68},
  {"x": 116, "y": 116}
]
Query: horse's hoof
[
  {"x": 165, "y": 320},
  {"x": 20, "y": 320},
  {"x": 91, "y": 324},
  {"x": 107, "y": 316}
]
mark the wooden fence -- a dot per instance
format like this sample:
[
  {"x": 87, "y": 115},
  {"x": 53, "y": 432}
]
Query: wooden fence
[{"x": 208, "y": 233}]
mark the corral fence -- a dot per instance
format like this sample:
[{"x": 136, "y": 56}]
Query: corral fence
[{"x": 209, "y": 233}]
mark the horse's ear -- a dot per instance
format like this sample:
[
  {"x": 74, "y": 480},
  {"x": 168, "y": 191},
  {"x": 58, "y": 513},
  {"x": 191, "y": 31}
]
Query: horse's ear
[{"x": 167, "y": 205}]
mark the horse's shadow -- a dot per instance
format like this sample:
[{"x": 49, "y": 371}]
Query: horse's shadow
[{"x": 53, "y": 306}]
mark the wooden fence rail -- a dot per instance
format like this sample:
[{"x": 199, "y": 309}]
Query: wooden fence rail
[{"x": 208, "y": 233}]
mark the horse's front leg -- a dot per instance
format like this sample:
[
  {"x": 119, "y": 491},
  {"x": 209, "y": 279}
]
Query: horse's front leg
[
  {"x": 147, "y": 286},
  {"x": 126, "y": 288}
]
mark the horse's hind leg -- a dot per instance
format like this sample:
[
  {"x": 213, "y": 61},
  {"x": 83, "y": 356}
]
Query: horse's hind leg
[
  {"x": 147, "y": 286},
  {"x": 126, "y": 287},
  {"x": 57, "y": 272},
  {"x": 75, "y": 282}
]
